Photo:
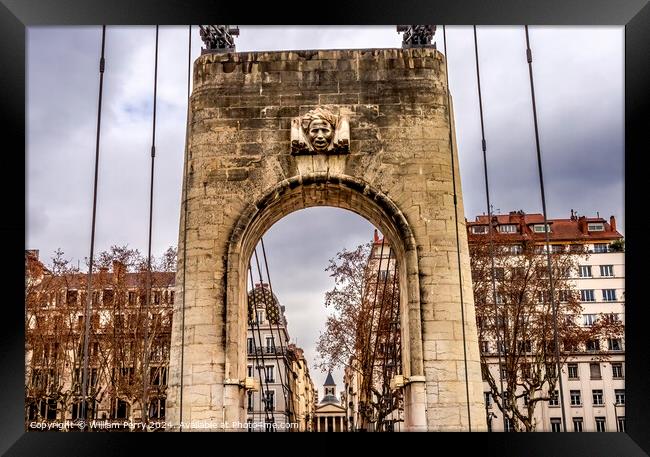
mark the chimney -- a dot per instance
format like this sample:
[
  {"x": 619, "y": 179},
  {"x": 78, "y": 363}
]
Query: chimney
[
  {"x": 33, "y": 253},
  {"x": 119, "y": 271},
  {"x": 582, "y": 225},
  {"x": 612, "y": 224},
  {"x": 376, "y": 236}
]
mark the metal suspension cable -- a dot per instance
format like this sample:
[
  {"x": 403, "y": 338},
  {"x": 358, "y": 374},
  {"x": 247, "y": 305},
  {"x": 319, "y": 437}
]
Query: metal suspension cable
[
  {"x": 460, "y": 271},
  {"x": 275, "y": 352},
  {"x": 84, "y": 382},
  {"x": 386, "y": 334},
  {"x": 145, "y": 356},
  {"x": 286, "y": 362},
  {"x": 185, "y": 183},
  {"x": 367, "y": 379},
  {"x": 379, "y": 327},
  {"x": 529, "y": 58},
  {"x": 490, "y": 232},
  {"x": 256, "y": 326}
]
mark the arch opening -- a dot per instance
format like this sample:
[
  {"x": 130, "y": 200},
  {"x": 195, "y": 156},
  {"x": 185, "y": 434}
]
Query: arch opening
[{"x": 318, "y": 191}]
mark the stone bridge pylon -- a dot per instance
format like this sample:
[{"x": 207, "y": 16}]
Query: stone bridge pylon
[{"x": 365, "y": 130}]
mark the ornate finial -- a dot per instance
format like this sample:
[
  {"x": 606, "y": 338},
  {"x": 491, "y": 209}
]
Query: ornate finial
[
  {"x": 320, "y": 132},
  {"x": 218, "y": 38},
  {"x": 417, "y": 36}
]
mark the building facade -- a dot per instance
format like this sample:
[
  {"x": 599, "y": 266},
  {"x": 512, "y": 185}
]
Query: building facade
[
  {"x": 593, "y": 375},
  {"x": 122, "y": 319},
  {"x": 123, "y": 372}
]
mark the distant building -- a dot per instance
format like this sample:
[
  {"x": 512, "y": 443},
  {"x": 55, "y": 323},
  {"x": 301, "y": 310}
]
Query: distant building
[
  {"x": 370, "y": 401},
  {"x": 285, "y": 388},
  {"x": 330, "y": 415},
  {"x": 594, "y": 388}
]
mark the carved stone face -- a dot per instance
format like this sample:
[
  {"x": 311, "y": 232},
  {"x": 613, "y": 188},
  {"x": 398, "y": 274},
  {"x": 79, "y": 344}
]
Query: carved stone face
[{"x": 320, "y": 134}]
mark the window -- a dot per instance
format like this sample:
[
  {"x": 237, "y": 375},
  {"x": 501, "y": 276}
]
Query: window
[
  {"x": 597, "y": 396},
  {"x": 596, "y": 227},
  {"x": 621, "y": 423},
  {"x": 556, "y": 424},
  {"x": 564, "y": 295},
  {"x": 543, "y": 296},
  {"x": 479, "y": 229},
  {"x": 524, "y": 346},
  {"x": 518, "y": 273},
  {"x": 259, "y": 315},
  {"x": 557, "y": 248},
  {"x": 499, "y": 273},
  {"x": 584, "y": 271},
  {"x": 594, "y": 371},
  {"x": 270, "y": 345},
  {"x": 499, "y": 298},
  {"x": 71, "y": 297},
  {"x": 589, "y": 319},
  {"x": 509, "y": 426},
  {"x": 573, "y": 371},
  {"x": 158, "y": 376},
  {"x": 614, "y": 344},
  {"x": 577, "y": 424},
  {"x": 250, "y": 345},
  {"x": 119, "y": 409},
  {"x": 156, "y": 297},
  {"x": 108, "y": 296},
  {"x": 516, "y": 249},
  {"x": 607, "y": 270},
  {"x": 269, "y": 373},
  {"x": 600, "y": 424},
  {"x": 619, "y": 394},
  {"x": 484, "y": 347},
  {"x": 249, "y": 400},
  {"x": 600, "y": 248},
  {"x": 270, "y": 400},
  {"x": 539, "y": 228},
  {"x": 576, "y": 248},
  {"x": 587, "y": 295},
  {"x": 575, "y": 398},
  {"x": 488, "y": 399},
  {"x": 249, "y": 371},
  {"x": 509, "y": 228},
  {"x": 593, "y": 345},
  {"x": 504, "y": 372},
  {"x": 157, "y": 408},
  {"x": 503, "y": 348},
  {"x": 171, "y": 297},
  {"x": 132, "y": 298},
  {"x": 609, "y": 294},
  {"x": 383, "y": 275},
  {"x": 554, "y": 399},
  {"x": 617, "y": 370},
  {"x": 51, "y": 412}
]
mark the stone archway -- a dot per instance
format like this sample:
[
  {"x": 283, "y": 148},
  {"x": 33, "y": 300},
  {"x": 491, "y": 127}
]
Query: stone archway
[{"x": 250, "y": 164}]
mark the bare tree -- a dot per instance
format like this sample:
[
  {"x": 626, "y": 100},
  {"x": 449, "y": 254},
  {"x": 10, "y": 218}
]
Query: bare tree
[{"x": 363, "y": 331}]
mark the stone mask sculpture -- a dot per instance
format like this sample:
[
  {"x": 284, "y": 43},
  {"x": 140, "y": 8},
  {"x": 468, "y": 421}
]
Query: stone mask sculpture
[{"x": 320, "y": 132}]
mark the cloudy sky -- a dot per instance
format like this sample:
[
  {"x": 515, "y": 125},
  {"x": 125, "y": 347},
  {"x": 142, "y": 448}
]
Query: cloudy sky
[{"x": 578, "y": 83}]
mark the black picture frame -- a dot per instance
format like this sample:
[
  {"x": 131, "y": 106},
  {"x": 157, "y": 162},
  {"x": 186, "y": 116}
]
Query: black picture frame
[{"x": 16, "y": 15}]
